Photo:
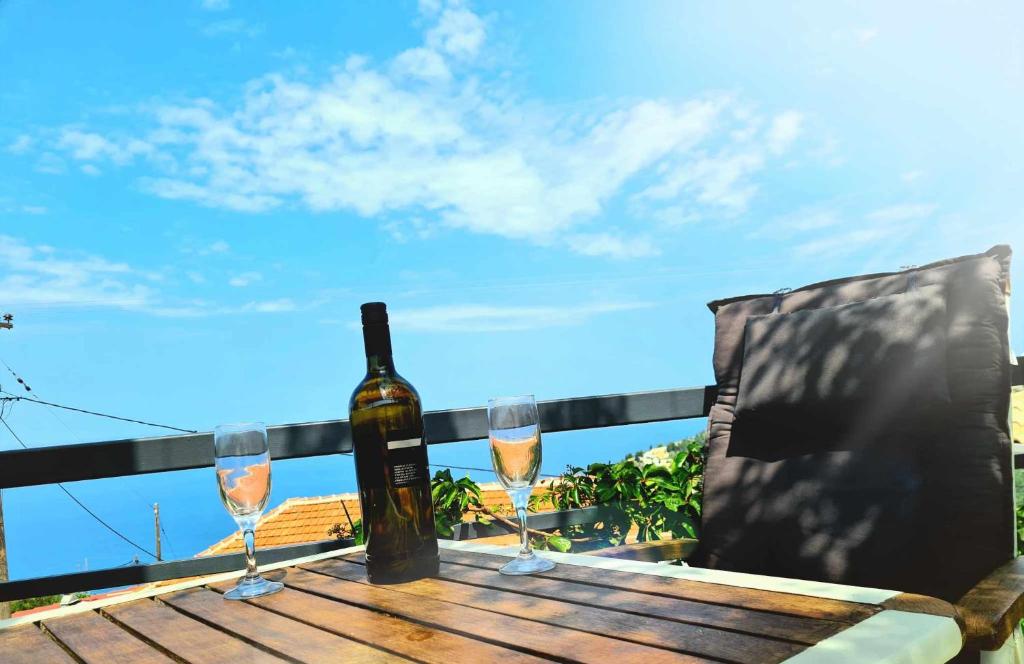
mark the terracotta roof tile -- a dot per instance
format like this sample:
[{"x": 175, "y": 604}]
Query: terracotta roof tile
[{"x": 301, "y": 520}]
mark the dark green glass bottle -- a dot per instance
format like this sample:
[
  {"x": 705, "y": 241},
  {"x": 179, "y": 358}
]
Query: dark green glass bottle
[{"x": 391, "y": 463}]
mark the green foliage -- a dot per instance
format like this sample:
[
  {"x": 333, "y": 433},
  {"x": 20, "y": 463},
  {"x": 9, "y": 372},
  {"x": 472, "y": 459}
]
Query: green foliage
[
  {"x": 340, "y": 531},
  {"x": 684, "y": 444},
  {"x": 34, "y": 602},
  {"x": 1020, "y": 530},
  {"x": 656, "y": 499},
  {"x": 453, "y": 499}
]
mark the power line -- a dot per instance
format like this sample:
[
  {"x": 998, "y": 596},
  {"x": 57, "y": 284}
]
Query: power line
[
  {"x": 483, "y": 470},
  {"x": 14, "y": 397},
  {"x": 17, "y": 377},
  {"x": 4, "y": 402},
  {"x": 80, "y": 503}
]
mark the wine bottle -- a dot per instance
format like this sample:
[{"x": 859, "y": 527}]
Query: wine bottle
[{"x": 391, "y": 463}]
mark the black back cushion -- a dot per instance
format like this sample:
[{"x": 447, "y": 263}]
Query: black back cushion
[{"x": 872, "y": 444}]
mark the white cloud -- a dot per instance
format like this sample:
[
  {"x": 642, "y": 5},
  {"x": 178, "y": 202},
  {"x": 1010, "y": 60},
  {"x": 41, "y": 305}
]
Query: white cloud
[
  {"x": 911, "y": 176},
  {"x": 487, "y": 318},
  {"x": 719, "y": 181},
  {"x": 244, "y": 279},
  {"x": 422, "y": 135},
  {"x": 34, "y": 209},
  {"x": 47, "y": 277},
  {"x": 830, "y": 152},
  {"x": 88, "y": 146},
  {"x": 195, "y": 277},
  {"x": 232, "y": 26},
  {"x": 270, "y": 306},
  {"x": 422, "y": 63},
  {"x": 899, "y": 213},
  {"x": 846, "y": 243},
  {"x": 784, "y": 130},
  {"x": 459, "y": 33},
  {"x": 89, "y": 169},
  {"x": 805, "y": 220},
  {"x": 204, "y": 248},
  {"x": 606, "y": 244},
  {"x": 215, "y": 5},
  {"x": 21, "y": 144},
  {"x": 879, "y": 227},
  {"x": 40, "y": 276},
  {"x": 50, "y": 163},
  {"x": 856, "y": 36},
  {"x": 865, "y": 35}
]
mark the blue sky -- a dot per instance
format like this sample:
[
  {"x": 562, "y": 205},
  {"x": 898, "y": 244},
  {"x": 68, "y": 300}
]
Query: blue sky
[{"x": 195, "y": 197}]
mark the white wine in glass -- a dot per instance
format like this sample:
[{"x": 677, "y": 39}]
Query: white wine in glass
[
  {"x": 242, "y": 456},
  {"x": 516, "y": 454}
]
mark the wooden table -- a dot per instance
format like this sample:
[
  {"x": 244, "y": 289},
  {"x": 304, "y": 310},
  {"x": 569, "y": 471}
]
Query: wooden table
[{"x": 587, "y": 609}]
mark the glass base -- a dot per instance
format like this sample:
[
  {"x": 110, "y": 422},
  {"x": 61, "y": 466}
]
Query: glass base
[
  {"x": 526, "y": 564},
  {"x": 248, "y": 588}
]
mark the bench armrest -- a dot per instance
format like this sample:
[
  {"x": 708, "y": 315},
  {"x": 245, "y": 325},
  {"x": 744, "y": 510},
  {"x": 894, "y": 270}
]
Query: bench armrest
[
  {"x": 994, "y": 606},
  {"x": 650, "y": 552}
]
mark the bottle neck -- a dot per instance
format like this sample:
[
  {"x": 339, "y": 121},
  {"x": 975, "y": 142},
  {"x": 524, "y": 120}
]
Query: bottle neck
[{"x": 377, "y": 341}]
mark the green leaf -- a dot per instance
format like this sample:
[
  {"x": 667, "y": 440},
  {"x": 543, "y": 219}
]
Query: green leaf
[{"x": 559, "y": 543}]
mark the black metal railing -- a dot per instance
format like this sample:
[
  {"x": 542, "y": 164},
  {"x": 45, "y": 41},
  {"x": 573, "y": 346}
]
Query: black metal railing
[
  {"x": 136, "y": 456},
  {"x": 69, "y": 463}
]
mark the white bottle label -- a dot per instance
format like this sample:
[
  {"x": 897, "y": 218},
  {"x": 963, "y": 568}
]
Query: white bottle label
[{"x": 399, "y": 444}]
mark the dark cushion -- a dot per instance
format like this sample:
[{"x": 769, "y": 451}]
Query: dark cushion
[
  {"x": 886, "y": 355},
  {"x": 914, "y": 492}
]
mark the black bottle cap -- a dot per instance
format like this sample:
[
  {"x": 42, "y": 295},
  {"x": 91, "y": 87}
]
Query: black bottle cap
[{"x": 374, "y": 313}]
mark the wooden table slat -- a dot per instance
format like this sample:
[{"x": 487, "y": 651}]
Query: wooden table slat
[
  {"x": 749, "y": 598},
  {"x": 96, "y": 640},
  {"x": 273, "y": 631},
  {"x": 27, "y": 644},
  {"x": 577, "y": 612},
  {"x": 539, "y": 638},
  {"x": 657, "y": 632},
  {"x": 425, "y": 644},
  {"x": 188, "y": 639},
  {"x": 758, "y": 623}
]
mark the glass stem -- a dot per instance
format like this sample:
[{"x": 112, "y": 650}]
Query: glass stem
[
  {"x": 520, "y": 499},
  {"x": 250, "y": 554},
  {"x": 524, "y": 536}
]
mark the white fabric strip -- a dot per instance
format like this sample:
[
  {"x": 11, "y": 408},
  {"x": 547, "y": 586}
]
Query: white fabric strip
[
  {"x": 776, "y": 584},
  {"x": 1012, "y": 651},
  {"x": 888, "y": 637},
  {"x": 82, "y": 607}
]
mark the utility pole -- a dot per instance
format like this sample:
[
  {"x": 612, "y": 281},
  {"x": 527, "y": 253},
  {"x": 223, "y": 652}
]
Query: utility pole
[
  {"x": 5, "y": 608},
  {"x": 156, "y": 529}
]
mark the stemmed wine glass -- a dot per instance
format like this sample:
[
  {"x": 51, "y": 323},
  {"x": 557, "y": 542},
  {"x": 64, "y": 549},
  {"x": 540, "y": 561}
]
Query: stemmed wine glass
[
  {"x": 242, "y": 456},
  {"x": 514, "y": 429}
]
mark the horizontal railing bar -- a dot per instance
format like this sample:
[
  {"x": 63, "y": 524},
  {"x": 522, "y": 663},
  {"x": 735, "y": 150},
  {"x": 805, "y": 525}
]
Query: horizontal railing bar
[
  {"x": 67, "y": 463},
  {"x": 114, "y": 577},
  {"x": 136, "y": 574},
  {"x": 138, "y": 456},
  {"x": 541, "y": 521}
]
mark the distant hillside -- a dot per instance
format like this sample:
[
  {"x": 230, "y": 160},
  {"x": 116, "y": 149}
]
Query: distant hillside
[{"x": 662, "y": 454}]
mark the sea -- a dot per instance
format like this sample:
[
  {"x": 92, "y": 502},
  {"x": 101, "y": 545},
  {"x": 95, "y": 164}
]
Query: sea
[{"x": 47, "y": 533}]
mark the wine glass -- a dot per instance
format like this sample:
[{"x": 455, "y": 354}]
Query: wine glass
[
  {"x": 242, "y": 457},
  {"x": 515, "y": 452}
]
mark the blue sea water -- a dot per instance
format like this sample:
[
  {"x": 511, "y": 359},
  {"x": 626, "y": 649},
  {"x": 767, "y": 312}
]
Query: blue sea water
[{"x": 48, "y": 534}]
